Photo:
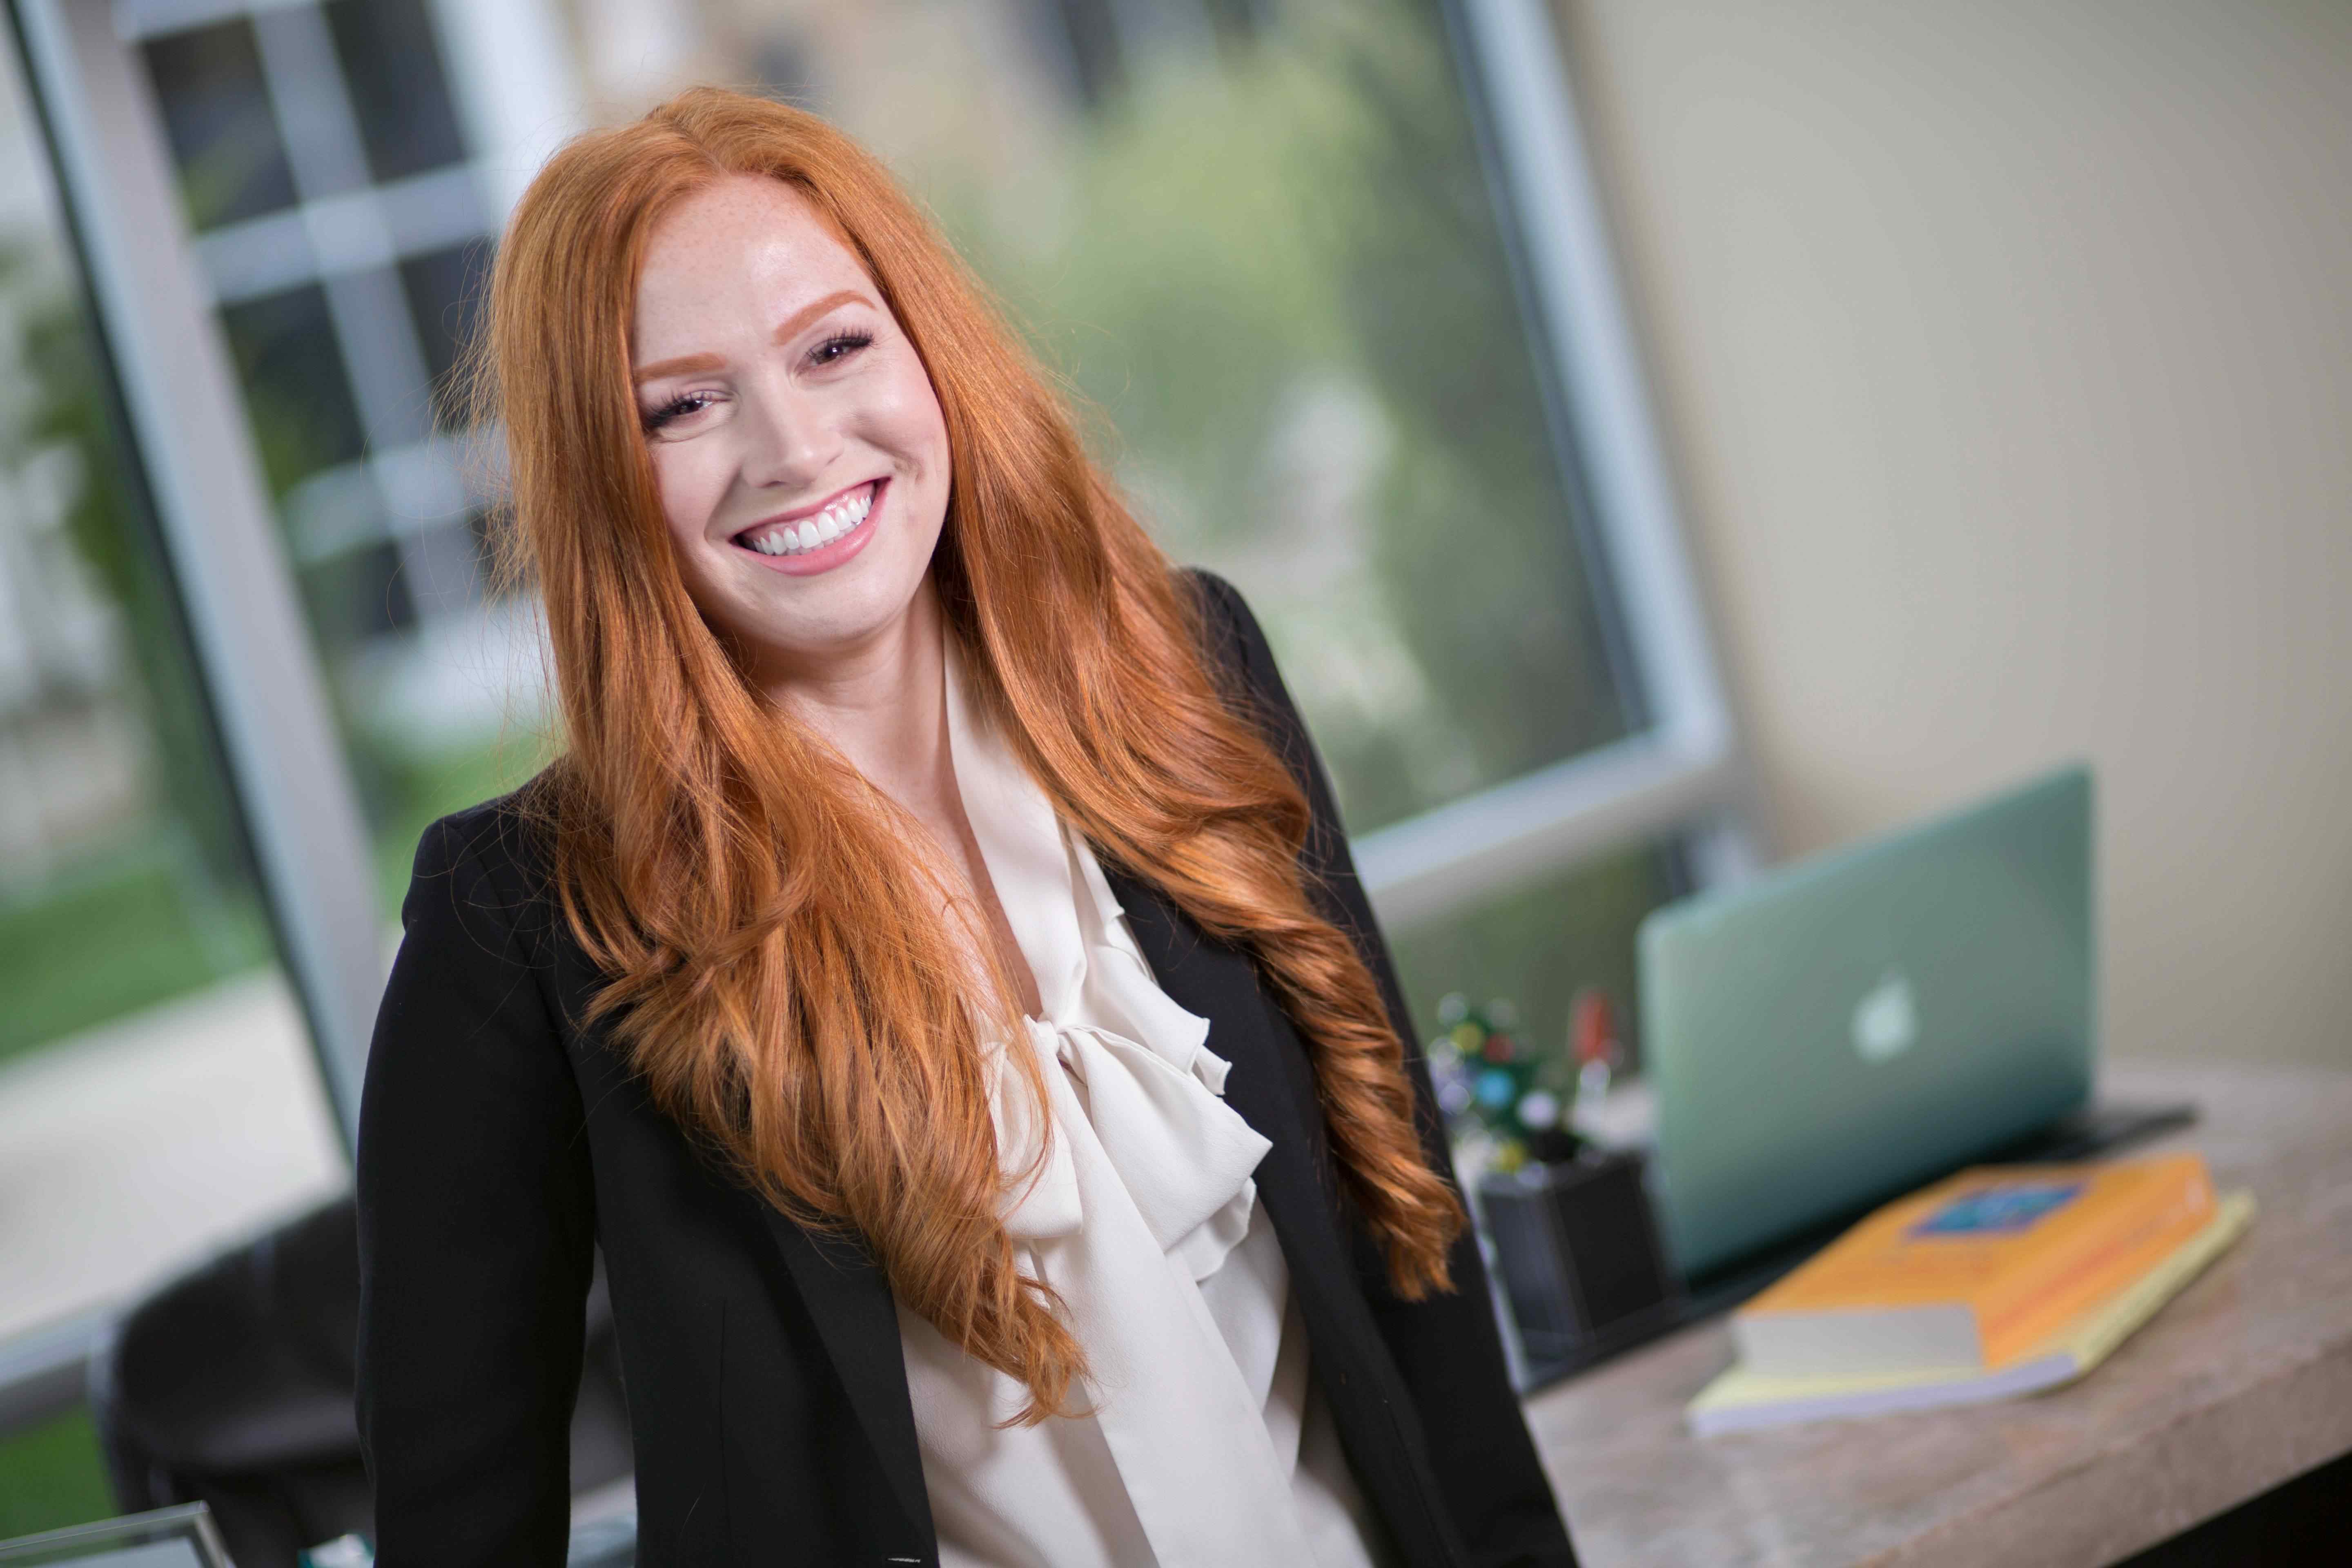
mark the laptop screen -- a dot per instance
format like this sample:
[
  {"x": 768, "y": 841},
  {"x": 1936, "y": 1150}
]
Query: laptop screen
[{"x": 168, "y": 1537}]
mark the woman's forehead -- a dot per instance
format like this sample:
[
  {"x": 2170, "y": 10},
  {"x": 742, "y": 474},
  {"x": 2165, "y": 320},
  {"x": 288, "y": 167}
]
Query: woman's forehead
[{"x": 742, "y": 254}]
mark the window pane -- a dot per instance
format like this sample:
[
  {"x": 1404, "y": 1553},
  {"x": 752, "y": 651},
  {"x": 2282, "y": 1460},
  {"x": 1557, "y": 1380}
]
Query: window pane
[
  {"x": 1259, "y": 240},
  {"x": 216, "y": 113},
  {"x": 296, "y": 390},
  {"x": 157, "y": 1094},
  {"x": 445, "y": 291},
  {"x": 393, "y": 69},
  {"x": 359, "y": 595}
]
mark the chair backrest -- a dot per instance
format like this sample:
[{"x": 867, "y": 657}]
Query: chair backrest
[{"x": 233, "y": 1385}]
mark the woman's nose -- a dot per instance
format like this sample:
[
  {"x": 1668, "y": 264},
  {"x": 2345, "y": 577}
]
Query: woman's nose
[{"x": 790, "y": 441}]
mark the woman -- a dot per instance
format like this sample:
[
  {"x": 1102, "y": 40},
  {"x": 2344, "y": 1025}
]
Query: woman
[{"x": 933, "y": 975}]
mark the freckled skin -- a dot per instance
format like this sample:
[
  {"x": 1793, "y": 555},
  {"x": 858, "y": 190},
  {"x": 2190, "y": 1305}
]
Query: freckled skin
[{"x": 778, "y": 425}]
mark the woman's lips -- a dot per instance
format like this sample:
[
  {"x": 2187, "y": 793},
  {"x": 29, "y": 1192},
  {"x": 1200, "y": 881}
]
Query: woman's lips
[{"x": 854, "y": 513}]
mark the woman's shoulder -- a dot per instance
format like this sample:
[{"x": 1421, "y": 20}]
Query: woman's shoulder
[
  {"x": 488, "y": 863},
  {"x": 1230, "y": 629},
  {"x": 1244, "y": 661},
  {"x": 1238, "y": 652}
]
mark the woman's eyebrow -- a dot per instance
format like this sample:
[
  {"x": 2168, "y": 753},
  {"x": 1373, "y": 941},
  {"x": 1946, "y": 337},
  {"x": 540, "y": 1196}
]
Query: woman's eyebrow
[
  {"x": 689, "y": 365},
  {"x": 807, "y": 313},
  {"x": 694, "y": 365}
]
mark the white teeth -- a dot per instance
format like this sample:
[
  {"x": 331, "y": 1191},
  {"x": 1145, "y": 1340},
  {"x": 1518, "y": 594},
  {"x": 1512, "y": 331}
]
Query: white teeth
[{"x": 823, "y": 528}]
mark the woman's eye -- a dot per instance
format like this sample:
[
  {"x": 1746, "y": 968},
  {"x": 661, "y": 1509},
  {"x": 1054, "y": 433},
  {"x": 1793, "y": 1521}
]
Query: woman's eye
[
  {"x": 675, "y": 409},
  {"x": 834, "y": 350}
]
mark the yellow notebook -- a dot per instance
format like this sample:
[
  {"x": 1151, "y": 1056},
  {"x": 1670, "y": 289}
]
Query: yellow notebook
[
  {"x": 1743, "y": 1399},
  {"x": 1972, "y": 1272}
]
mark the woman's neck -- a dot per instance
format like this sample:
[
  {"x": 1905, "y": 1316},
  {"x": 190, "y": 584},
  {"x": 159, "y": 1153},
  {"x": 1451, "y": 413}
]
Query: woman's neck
[{"x": 883, "y": 705}]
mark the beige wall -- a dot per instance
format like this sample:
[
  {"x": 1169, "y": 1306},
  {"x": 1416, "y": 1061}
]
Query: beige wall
[{"x": 2005, "y": 352}]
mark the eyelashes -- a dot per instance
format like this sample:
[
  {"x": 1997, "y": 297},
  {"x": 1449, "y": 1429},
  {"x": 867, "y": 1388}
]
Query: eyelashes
[
  {"x": 677, "y": 409},
  {"x": 839, "y": 347},
  {"x": 831, "y": 351}
]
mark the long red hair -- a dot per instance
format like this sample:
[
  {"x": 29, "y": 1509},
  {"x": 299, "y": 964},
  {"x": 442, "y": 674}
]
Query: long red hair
[{"x": 778, "y": 977}]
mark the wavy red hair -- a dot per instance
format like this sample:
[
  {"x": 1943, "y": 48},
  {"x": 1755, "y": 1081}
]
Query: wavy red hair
[{"x": 775, "y": 977}]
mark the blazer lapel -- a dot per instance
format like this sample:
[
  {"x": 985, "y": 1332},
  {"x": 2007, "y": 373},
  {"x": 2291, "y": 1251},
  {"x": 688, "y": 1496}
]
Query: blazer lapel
[
  {"x": 1272, "y": 1086},
  {"x": 850, "y": 1303}
]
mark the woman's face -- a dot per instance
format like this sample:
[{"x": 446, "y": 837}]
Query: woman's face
[{"x": 796, "y": 441}]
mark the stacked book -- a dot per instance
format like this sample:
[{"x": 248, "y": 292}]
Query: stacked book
[{"x": 2001, "y": 1282}]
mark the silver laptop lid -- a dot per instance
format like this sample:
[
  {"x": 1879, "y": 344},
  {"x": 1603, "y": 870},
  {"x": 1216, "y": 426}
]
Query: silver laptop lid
[
  {"x": 181, "y": 1537},
  {"x": 1836, "y": 1032}
]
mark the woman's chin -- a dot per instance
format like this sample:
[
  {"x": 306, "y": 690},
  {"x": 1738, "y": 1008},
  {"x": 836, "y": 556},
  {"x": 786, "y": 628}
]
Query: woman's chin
[{"x": 804, "y": 628}]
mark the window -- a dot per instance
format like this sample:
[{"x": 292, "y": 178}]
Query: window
[
  {"x": 217, "y": 113},
  {"x": 391, "y": 66},
  {"x": 157, "y": 1094},
  {"x": 1330, "y": 271},
  {"x": 344, "y": 284}
]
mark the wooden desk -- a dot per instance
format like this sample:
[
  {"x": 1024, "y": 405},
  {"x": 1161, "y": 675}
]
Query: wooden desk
[{"x": 2242, "y": 1382}]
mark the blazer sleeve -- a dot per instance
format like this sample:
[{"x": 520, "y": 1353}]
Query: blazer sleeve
[
  {"x": 477, "y": 1223},
  {"x": 1447, "y": 1347}
]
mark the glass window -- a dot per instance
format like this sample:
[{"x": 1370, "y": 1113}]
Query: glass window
[
  {"x": 296, "y": 387},
  {"x": 445, "y": 291},
  {"x": 434, "y": 684},
  {"x": 393, "y": 68},
  {"x": 216, "y": 112},
  {"x": 360, "y": 593},
  {"x": 157, "y": 1093}
]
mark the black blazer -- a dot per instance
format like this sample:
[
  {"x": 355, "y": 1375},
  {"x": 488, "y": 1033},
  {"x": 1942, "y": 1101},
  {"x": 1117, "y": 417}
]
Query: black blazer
[{"x": 501, "y": 1142}]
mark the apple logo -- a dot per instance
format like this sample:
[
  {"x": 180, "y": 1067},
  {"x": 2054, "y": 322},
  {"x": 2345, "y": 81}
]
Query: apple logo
[{"x": 1885, "y": 1020}]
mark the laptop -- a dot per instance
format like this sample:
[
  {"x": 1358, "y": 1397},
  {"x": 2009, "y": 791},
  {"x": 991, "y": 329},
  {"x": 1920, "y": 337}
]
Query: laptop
[
  {"x": 181, "y": 1537},
  {"x": 1836, "y": 1033}
]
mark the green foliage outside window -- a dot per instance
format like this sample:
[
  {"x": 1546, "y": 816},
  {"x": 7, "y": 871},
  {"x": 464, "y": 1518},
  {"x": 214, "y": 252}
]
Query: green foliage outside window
[{"x": 52, "y": 1474}]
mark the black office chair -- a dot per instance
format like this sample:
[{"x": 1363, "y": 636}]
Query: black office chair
[{"x": 232, "y": 1386}]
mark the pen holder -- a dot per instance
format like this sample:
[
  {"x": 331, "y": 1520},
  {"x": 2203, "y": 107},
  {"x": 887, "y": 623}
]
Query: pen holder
[{"x": 1577, "y": 1250}]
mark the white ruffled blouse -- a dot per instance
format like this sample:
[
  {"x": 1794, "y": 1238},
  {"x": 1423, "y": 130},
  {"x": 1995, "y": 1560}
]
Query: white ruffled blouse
[{"x": 1205, "y": 1443}]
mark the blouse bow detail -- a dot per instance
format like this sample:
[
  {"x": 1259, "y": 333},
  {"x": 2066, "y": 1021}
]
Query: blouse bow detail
[{"x": 1153, "y": 1092}]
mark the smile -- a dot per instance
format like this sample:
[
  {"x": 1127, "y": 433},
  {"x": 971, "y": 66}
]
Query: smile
[{"x": 822, "y": 537}]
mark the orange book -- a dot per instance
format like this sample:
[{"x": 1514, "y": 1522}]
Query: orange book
[{"x": 1975, "y": 1271}]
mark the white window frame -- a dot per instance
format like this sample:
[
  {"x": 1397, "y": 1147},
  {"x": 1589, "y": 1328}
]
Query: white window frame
[{"x": 1683, "y": 772}]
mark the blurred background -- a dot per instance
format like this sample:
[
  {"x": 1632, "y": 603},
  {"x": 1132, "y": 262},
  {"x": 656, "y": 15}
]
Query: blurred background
[{"x": 1662, "y": 437}]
